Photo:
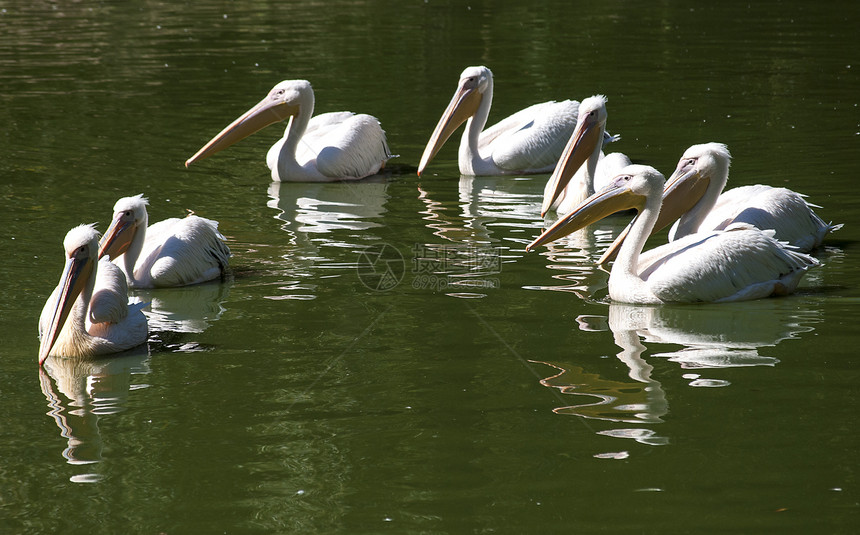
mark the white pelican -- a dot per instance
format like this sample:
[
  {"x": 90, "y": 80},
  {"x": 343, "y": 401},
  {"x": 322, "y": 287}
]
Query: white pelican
[
  {"x": 529, "y": 141},
  {"x": 329, "y": 147},
  {"x": 88, "y": 312},
  {"x": 170, "y": 253},
  {"x": 693, "y": 194},
  {"x": 736, "y": 264},
  {"x": 571, "y": 182}
]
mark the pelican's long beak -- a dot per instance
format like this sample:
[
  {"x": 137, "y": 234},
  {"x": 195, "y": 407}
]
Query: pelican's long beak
[
  {"x": 682, "y": 191},
  {"x": 584, "y": 140},
  {"x": 117, "y": 238},
  {"x": 74, "y": 279},
  {"x": 615, "y": 197},
  {"x": 464, "y": 105},
  {"x": 270, "y": 110}
]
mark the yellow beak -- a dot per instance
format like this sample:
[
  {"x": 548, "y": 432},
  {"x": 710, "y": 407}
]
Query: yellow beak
[
  {"x": 464, "y": 105},
  {"x": 74, "y": 279},
  {"x": 117, "y": 238},
  {"x": 614, "y": 198},
  {"x": 582, "y": 143},
  {"x": 268, "y": 111}
]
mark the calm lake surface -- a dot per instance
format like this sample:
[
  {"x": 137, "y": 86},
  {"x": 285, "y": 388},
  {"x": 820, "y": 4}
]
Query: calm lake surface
[{"x": 470, "y": 387}]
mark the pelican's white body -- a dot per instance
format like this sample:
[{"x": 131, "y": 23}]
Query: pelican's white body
[
  {"x": 782, "y": 210},
  {"x": 329, "y": 147},
  {"x": 101, "y": 320},
  {"x": 173, "y": 252}
]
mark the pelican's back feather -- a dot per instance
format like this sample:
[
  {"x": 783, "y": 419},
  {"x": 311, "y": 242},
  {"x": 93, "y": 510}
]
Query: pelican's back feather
[
  {"x": 346, "y": 145},
  {"x": 732, "y": 265},
  {"x": 179, "y": 252},
  {"x": 766, "y": 207},
  {"x": 531, "y": 139}
]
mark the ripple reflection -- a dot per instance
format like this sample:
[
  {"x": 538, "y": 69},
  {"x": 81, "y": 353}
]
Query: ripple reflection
[
  {"x": 480, "y": 230},
  {"x": 711, "y": 337},
  {"x": 81, "y": 391}
]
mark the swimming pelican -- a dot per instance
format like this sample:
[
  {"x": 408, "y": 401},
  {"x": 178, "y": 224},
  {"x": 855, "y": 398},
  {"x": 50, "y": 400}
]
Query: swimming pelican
[
  {"x": 88, "y": 312},
  {"x": 327, "y": 148},
  {"x": 170, "y": 253},
  {"x": 529, "y": 141},
  {"x": 694, "y": 193},
  {"x": 735, "y": 264},
  {"x": 571, "y": 182}
]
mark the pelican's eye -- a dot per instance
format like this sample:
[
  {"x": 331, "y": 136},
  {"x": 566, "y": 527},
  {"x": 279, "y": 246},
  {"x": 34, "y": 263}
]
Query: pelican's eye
[
  {"x": 620, "y": 180},
  {"x": 81, "y": 252}
]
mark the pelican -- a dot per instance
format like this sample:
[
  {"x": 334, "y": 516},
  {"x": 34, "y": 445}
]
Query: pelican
[
  {"x": 735, "y": 264},
  {"x": 529, "y": 141},
  {"x": 694, "y": 192},
  {"x": 88, "y": 312},
  {"x": 170, "y": 253},
  {"x": 326, "y": 148},
  {"x": 571, "y": 182}
]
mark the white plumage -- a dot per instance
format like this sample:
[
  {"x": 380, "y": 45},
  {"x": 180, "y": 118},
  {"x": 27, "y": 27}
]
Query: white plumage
[
  {"x": 329, "y": 147},
  {"x": 170, "y": 253},
  {"x": 529, "y": 141},
  {"x": 736, "y": 264},
  {"x": 694, "y": 197},
  {"x": 88, "y": 312},
  {"x": 571, "y": 181},
  {"x": 764, "y": 207}
]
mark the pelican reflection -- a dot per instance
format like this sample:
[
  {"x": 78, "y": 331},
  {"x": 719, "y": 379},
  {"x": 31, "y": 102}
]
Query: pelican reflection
[
  {"x": 729, "y": 335},
  {"x": 81, "y": 391},
  {"x": 188, "y": 309},
  {"x": 725, "y": 336},
  {"x": 321, "y": 208},
  {"x": 483, "y": 207},
  {"x": 639, "y": 400}
]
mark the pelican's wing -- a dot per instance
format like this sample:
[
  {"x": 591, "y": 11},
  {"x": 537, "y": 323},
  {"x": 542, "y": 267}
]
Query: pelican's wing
[
  {"x": 179, "y": 252},
  {"x": 531, "y": 139},
  {"x": 109, "y": 303},
  {"x": 731, "y": 265},
  {"x": 345, "y": 145},
  {"x": 129, "y": 332},
  {"x": 766, "y": 207}
]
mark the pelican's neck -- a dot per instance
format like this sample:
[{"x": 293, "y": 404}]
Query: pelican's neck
[
  {"x": 625, "y": 283},
  {"x": 287, "y": 165},
  {"x": 132, "y": 254},
  {"x": 690, "y": 222},
  {"x": 470, "y": 158}
]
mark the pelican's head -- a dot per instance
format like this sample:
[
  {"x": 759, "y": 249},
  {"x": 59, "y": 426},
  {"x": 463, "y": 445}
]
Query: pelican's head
[
  {"x": 81, "y": 248},
  {"x": 129, "y": 215},
  {"x": 283, "y": 101},
  {"x": 630, "y": 189},
  {"x": 699, "y": 167},
  {"x": 702, "y": 168},
  {"x": 587, "y": 139},
  {"x": 471, "y": 91}
]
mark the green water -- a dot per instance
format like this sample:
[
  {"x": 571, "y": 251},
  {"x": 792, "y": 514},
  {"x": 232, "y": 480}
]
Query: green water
[{"x": 478, "y": 388}]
